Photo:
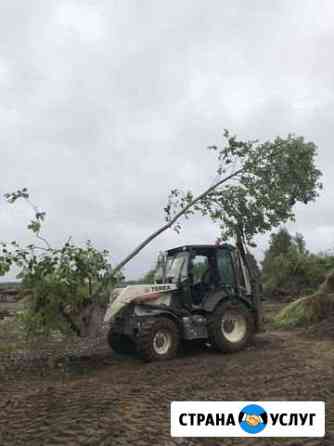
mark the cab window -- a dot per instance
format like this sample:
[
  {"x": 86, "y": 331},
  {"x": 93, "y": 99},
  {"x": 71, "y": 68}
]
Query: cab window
[
  {"x": 200, "y": 266},
  {"x": 225, "y": 268}
]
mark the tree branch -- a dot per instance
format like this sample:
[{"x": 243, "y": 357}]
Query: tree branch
[
  {"x": 155, "y": 234},
  {"x": 172, "y": 221},
  {"x": 44, "y": 240}
]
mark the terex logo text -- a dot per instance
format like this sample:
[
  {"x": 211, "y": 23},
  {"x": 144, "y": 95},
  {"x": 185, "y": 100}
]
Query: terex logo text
[{"x": 248, "y": 419}]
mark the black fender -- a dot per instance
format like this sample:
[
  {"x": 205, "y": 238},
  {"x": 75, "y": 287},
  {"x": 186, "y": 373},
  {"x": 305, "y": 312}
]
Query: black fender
[
  {"x": 214, "y": 299},
  {"x": 220, "y": 296}
]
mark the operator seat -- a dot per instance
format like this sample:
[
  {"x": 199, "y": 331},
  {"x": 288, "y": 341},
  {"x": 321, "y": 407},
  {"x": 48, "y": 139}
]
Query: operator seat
[{"x": 201, "y": 288}]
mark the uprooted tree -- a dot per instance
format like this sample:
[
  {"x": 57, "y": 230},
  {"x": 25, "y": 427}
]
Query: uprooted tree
[
  {"x": 256, "y": 189},
  {"x": 61, "y": 281}
]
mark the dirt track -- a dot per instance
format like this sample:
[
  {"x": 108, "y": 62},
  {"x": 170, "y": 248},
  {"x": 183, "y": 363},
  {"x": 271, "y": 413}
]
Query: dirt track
[{"x": 113, "y": 400}]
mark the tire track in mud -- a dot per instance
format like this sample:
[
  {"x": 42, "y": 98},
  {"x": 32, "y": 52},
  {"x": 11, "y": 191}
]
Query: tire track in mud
[{"x": 124, "y": 401}]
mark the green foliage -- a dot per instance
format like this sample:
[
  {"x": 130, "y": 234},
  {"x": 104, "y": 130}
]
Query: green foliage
[
  {"x": 35, "y": 224},
  {"x": 288, "y": 268},
  {"x": 11, "y": 197},
  {"x": 62, "y": 281},
  {"x": 268, "y": 179},
  {"x": 280, "y": 243}
]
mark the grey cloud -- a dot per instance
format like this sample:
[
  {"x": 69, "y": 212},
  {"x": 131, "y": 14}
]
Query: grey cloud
[{"x": 105, "y": 106}]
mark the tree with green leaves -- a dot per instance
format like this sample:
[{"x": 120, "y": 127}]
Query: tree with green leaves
[
  {"x": 256, "y": 188},
  {"x": 279, "y": 244},
  {"x": 62, "y": 281},
  {"x": 289, "y": 269}
]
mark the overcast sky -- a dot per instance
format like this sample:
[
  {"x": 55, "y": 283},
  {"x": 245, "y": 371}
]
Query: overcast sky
[{"x": 107, "y": 105}]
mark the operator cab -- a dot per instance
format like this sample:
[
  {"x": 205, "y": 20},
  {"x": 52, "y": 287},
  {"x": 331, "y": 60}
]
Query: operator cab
[{"x": 200, "y": 270}]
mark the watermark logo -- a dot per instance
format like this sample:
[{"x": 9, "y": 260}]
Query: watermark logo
[
  {"x": 253, "y": 418},
  {"x": 247, "y": 419}
]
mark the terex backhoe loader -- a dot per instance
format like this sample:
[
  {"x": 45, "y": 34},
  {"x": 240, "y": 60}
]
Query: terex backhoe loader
[{"x": 201, "y": 292}]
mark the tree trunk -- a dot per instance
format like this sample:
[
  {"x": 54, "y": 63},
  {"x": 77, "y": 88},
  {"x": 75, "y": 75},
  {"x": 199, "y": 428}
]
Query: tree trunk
[{"x": 89, "y": 321}]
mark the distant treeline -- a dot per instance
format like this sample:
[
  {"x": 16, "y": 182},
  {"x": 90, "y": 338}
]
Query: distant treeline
[
  {"x": 289, "y": 270},
  {"x": 10, "y": 285}
]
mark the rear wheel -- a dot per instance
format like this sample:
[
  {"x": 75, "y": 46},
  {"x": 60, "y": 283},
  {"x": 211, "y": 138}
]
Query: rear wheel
[
  {"x": 120, "y": 343},
  {"x": 231, "y": 327},
  {"x": 158, "y": 339}
]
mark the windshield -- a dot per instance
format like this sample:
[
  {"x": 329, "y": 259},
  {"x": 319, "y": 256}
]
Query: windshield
[{"x": 176, "y": 267}]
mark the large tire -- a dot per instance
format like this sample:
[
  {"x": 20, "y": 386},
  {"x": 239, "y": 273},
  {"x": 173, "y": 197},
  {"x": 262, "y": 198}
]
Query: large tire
[
  {"x": 120, "y": 343},
  {"x": 231, "y": 327},
  {"x": 158, "y": 339}
]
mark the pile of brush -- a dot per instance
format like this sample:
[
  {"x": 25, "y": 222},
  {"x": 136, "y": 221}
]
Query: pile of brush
[{"x": 310, "y": 309}]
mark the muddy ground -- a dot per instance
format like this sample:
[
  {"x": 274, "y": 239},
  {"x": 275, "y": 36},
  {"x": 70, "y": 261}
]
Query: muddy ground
[{"x": 106, "y": 399}]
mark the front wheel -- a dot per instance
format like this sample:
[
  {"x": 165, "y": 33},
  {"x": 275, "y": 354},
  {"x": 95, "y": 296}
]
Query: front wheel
[
  {"x": 158, "y": 339},
  {"x": 231, "y": 327}
]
